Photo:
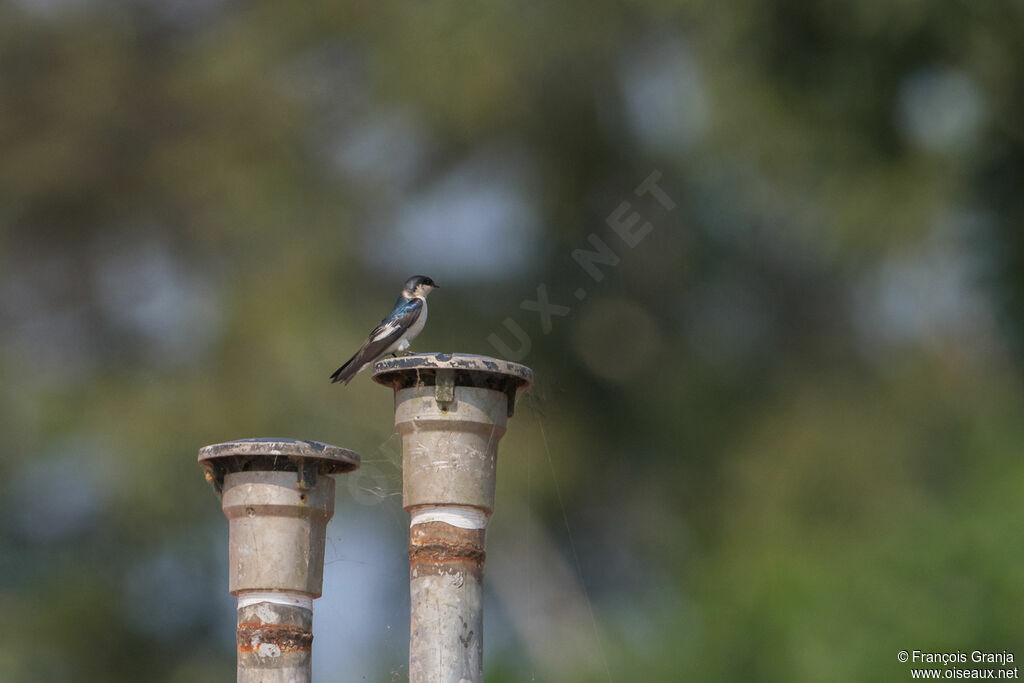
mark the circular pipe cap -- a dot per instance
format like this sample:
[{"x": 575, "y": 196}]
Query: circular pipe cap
[
  {"x": 397, "y": 372},
  {"x": 274, "y": 454},
  {"x": 450, "y": 370}
]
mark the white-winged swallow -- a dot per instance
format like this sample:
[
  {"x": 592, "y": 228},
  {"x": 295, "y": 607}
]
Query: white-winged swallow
[{"x": 395, "y": 332}]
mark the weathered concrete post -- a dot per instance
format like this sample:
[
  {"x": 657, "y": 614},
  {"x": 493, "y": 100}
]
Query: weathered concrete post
[
  {"x": 451, "y": 410},
  {"x": 278, "y": 496}
]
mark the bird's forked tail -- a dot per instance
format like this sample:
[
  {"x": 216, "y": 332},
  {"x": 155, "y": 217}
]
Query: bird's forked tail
[{"x": 347, "y": 371}]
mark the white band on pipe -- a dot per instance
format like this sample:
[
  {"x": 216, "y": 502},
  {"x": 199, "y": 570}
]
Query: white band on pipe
[
  {"x": 290, "y": 598},
  {"x": 462, "y": 516}
]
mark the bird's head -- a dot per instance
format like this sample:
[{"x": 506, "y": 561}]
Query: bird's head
[{"x": 418, "y": 286}]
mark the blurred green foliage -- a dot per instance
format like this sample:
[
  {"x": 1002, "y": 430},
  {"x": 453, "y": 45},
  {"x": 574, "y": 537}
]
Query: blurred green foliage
[{"x": 779, "y": 441}]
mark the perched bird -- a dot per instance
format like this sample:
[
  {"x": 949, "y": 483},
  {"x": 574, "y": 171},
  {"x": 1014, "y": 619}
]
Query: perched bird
[{"x": 395, "y": 332}]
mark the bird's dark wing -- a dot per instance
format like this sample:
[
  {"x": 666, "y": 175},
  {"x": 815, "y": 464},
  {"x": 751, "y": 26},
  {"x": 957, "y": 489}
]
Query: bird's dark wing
[
  {"x": 401, "y": 318},
  {"x": 384, "y": 335}
]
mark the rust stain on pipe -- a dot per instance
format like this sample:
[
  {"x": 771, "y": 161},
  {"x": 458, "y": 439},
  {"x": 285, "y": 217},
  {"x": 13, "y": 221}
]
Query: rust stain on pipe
[
  {"x": 287, "y": 638},
  {"x": 440, "y": 548}
]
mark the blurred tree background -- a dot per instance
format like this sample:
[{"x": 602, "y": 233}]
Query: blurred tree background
[{"x": 779, "y": 440}]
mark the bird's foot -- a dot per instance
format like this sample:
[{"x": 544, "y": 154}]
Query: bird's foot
[{"x": 401, "y": 354}]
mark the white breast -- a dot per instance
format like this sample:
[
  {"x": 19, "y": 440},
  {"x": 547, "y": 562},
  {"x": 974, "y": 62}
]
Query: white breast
[{"x": 417, "y": 326}]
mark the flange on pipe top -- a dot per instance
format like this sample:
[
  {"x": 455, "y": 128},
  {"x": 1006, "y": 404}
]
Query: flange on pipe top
[
  {"x": 306, "y": 458},
  {"x": 448, "y": 370}
]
